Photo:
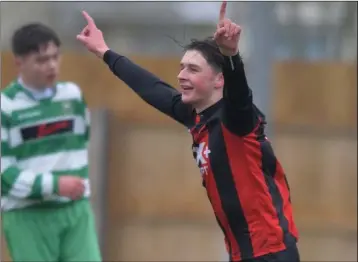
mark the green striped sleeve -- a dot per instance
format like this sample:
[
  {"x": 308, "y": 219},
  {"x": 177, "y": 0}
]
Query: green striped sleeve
[
  {"x": 87, "y": 117},
  {"x": 88, "y": 123},
  {"x": 20, "y": 183}
]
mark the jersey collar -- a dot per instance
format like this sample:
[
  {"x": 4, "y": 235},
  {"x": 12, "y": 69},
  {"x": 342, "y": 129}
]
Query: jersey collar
[
  {"x": 208, "y": 112},
  {"x": 46, "y": 93}
]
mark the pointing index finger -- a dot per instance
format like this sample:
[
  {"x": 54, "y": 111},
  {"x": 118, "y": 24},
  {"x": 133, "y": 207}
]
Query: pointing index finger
[
  {"x": 222, "y": 11},
  {"x": 89, "y": 19}
]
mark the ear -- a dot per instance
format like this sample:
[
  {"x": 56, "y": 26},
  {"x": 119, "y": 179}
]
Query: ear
[{"x": 219, "y": 81}]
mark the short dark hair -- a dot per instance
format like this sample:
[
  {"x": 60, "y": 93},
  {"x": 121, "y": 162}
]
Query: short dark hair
[
  {"x": 31, "y": 37},
  {"x": 209, "y": 50}
]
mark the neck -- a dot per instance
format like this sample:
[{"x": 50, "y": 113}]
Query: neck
[{"x": 213, "y": 100}]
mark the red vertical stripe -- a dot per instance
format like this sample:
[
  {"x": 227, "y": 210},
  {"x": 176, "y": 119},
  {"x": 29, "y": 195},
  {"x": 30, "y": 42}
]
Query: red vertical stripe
[
  {"x": 197, "y": 119},
  {"x": 245, "y": 156}
]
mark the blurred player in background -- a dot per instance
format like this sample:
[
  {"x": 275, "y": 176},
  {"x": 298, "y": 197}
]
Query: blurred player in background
[
  {"x": 245, "y": 183},
  {"x": 46, "y": 214}
]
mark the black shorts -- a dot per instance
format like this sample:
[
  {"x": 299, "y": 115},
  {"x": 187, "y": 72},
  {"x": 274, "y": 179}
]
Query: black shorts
[{"x": 290, "y": 254}]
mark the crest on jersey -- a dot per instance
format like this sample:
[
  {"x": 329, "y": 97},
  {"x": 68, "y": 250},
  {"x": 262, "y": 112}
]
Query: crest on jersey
[
  {"x": 201, "y": 154},
  {"x": 67, "y": 107}
]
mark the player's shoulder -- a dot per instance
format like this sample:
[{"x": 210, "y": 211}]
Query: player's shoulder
[
  {"x": 10, "y": 91},
  {"x": 8, "y": 97},
  {"x": 69, "y": 87},
  {"x": 69, "y": 90}
]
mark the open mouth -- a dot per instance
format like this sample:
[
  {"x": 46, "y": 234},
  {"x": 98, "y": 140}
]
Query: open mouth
[{"x": 186, "y": 88}]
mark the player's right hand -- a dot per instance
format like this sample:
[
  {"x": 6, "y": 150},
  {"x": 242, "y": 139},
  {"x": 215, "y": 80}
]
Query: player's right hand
[
  {"x": 227, "y": 34},
  {"x": 71, "y": 186},
  {"x": 92, "y": 38}
]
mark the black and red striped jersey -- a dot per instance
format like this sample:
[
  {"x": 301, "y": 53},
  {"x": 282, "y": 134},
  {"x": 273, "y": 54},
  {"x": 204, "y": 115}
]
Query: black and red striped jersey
[{"x": 244, "y": 181}]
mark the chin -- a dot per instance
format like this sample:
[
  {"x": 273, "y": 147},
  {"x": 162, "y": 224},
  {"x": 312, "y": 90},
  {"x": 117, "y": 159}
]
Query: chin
[
  {"x": 187, "y": 99},
  {"x": 51, "y": 81}
]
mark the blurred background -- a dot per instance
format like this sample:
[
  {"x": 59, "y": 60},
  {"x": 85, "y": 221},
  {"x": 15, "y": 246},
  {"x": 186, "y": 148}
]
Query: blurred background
[{"x": 301, "y": 62}]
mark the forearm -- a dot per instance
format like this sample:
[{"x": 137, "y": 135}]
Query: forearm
[
  {"x": 87, "y": 119},
  {"x": 150, "y": 88},
  {"x": 236, "y": 87},
  {"x": 144, "y": 83},
  {"x": 240, "y": 116},
  {"x": 25, "y": 184}
]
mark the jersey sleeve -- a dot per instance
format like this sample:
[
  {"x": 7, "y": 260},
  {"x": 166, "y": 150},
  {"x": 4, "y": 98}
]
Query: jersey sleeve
[
  {"x": 87, "y": 121},
  {"x": 86, "y": 114},
  {"x": 240, "y": 115},
  {"x": 150, "y": 88},
  {"x": 17, "y": 182}
]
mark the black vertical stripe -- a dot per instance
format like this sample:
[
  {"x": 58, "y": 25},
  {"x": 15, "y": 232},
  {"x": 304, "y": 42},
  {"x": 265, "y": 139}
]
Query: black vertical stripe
[
  {"x": 227, "y": 191},
  {"x": 288, "y": 188},
  {"x": 269, "y": 170}
]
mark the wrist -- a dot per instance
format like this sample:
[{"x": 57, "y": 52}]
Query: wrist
[
  {"x": 229, "y": 52},
  {"x": 100, "y": 52}
]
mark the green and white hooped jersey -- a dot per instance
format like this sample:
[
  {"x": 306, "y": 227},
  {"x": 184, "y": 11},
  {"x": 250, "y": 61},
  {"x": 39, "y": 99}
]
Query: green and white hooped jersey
[{"x": 41, "y": 140}]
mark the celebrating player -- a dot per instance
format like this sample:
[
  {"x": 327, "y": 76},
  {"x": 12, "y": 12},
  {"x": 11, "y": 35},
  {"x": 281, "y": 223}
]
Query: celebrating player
[{"x": 245, "y": 182}]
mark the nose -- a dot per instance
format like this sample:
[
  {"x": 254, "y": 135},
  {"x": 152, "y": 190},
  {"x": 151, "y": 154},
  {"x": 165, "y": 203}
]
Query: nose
[
  {"x": 182, "y": 75},
  {"x": 52, "y": 66}
]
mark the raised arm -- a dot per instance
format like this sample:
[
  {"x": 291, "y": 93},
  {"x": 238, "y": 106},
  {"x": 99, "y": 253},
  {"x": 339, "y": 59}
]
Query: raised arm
[
  {"x": 149, "y": 87},
  {"x": 240, "y": 115}
]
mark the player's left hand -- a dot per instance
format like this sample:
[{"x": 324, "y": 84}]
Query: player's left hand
[
  {"x": 227, "y": 34},
  {"x": 92, "y": 38}
]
